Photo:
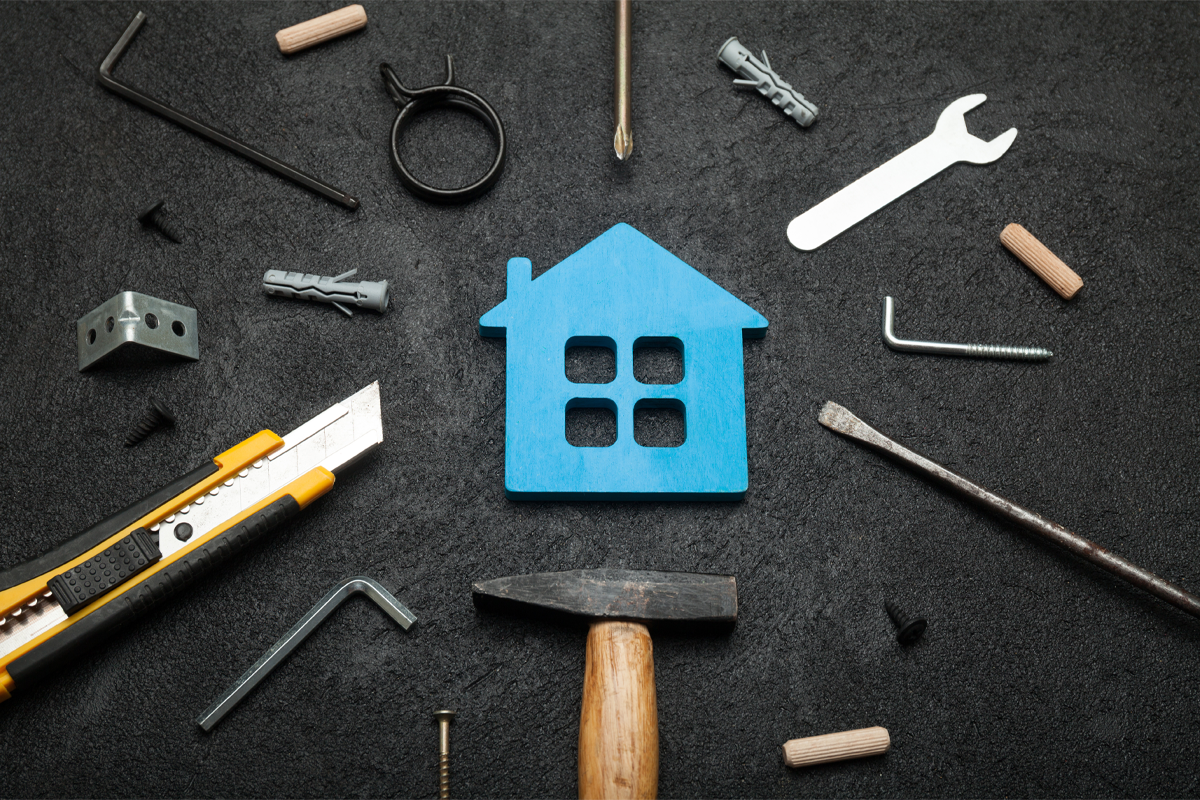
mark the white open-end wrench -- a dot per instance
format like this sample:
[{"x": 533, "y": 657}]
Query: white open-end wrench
[{"x": 948, "y": 144}]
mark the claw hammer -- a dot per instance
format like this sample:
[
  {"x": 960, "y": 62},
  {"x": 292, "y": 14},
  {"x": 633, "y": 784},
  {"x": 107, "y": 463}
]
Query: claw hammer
[{"x": 618, "y": 724}]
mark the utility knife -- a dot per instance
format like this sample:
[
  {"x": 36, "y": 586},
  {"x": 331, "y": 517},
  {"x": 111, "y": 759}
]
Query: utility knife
[{"x": 58, "y": 605}]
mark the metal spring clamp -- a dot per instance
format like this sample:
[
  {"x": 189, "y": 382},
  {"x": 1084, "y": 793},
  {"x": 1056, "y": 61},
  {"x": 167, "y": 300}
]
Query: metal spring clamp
[{"x": 414, "y": 101}]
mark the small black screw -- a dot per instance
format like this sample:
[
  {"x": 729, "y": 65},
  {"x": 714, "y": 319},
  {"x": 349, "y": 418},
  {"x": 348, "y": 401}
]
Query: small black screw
[
  {"x": 153, "y": 216},
  {"x": 156, "y": 417},
  {"x": 909, "y": 630}
]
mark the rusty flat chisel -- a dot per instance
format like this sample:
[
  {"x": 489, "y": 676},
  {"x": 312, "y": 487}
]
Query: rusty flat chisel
[{"x": 837, "y": 418}]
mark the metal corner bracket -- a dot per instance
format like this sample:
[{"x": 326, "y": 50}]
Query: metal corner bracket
[{"x": 130, "y": 318}]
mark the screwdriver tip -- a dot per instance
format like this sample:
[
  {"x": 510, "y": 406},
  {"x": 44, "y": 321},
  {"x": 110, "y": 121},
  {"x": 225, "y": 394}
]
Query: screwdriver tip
[
  {"x": 833, "y": 416},
  {"x": 623, "y": 143}
]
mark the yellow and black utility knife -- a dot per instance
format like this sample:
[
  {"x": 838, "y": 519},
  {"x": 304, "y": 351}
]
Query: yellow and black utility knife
[{"x": 55, "y": 606}]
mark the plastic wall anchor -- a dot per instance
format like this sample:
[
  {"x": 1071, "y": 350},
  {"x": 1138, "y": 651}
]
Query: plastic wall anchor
[
  {"x": 372, "y": 295},
  {"x": 755, "y": 74}
]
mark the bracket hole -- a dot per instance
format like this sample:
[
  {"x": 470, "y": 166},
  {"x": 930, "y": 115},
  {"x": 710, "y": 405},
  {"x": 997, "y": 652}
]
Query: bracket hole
[
  {"x": 108, "y": 324},
  {"x": 177, "y": 328},
  {"x": 91, "y": 336},
  {"x": 151, "y": 321}
]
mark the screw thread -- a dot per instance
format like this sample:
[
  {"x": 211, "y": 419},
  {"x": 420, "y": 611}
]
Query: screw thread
[
  {"x": 444, "y": 776},
  {"x": 153, "y": 419},
  {"x": 1004, "y": 351},
  {"x": 166, "y": 225},
  {"x": 899, "y": 618}
]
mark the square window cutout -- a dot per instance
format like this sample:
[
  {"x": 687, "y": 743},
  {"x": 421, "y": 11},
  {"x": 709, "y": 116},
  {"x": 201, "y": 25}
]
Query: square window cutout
[
  {"x": 658, "y": 359},
  {"x": 659, "y": 423},
  {"x": 590, "y": 359},
  {"x": 591, "y": 422}
]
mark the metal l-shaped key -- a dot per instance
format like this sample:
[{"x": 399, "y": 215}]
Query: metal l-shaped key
[{"x": 948, "y": 144}]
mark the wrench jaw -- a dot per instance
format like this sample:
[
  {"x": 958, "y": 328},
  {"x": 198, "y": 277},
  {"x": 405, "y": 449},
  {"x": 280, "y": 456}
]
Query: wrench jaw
[
  {"x": 952, "y": 129},
  {"x": 977, "y": 151},
  {"x": 951, "y": 124}
]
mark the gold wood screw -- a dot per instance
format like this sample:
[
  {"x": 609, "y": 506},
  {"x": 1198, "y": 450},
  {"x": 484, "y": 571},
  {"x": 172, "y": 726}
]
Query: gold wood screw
[
  {"x": 443, "y": 717},
  {"x": 623, "y": 81}
]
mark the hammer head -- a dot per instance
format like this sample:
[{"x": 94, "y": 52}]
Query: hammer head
[{"x": 618, "y": 594}]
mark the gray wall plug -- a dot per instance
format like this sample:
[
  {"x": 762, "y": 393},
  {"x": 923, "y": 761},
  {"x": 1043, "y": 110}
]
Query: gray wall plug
[
  {"x": 299, "y": 286},
  {"x": 759, "y": 75}
]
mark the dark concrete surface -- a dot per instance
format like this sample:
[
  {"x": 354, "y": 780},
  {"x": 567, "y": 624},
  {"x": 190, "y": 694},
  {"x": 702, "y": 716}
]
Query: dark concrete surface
[{"x": 1039, "y": 675}]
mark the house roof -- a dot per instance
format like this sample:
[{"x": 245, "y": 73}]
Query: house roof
[{"x": 621, "y": 274}]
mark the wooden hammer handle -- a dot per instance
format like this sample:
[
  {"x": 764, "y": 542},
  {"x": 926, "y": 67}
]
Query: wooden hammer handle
[
  {"x": 321, "y": 29},
  {"x": 1038, "y": 258},
  {"x": 618, "y": 727}
]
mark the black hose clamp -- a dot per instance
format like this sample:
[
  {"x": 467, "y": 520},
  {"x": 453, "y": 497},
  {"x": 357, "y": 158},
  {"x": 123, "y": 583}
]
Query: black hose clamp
[{"x": 415, "y": 101}]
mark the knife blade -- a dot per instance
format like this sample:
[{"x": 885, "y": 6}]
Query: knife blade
[{"x": 56, "y": 605}]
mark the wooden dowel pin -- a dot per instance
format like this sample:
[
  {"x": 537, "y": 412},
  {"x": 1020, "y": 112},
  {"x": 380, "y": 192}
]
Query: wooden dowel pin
[
  {"x": 836, "y": 747},
  {"x": 321, "y": 29},
  {"x": 1038, "y": 258}
]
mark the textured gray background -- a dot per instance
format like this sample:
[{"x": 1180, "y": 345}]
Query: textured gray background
[{"x": 1039, "y": 675}]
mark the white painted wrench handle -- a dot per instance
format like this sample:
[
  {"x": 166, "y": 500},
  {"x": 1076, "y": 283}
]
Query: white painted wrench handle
[{"x": 872, "y": 192}]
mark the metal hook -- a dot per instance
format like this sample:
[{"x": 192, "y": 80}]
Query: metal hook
[{"x": 414, "y": 101}]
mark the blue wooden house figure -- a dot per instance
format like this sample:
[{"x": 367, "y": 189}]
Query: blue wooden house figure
[{"x": 622, "y": 291}]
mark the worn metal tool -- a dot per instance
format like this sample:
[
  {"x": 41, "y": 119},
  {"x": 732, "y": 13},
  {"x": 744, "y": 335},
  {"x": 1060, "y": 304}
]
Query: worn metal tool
[
  {"x": 54, "y": 609},
  {"x": 299, "y": 632},
  {"x": 194, "y": 125},
  {"x": 618, "y": 726},
  {"x": 837, "y": 418},
  {"x": 947, "y": 145},
  {"x": 1014, "y": 352},
  {"x": 623, "y": 80}
]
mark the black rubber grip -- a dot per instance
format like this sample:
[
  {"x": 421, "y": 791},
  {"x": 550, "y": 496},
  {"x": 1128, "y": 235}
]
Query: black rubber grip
[
  {"x": 89, "y": 630},
  {"x": 105, "y": 571},
  {"x": 82, "y": 542}
]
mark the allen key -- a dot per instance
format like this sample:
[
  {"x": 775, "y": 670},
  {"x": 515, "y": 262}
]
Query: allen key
[
  {"x": 104, "y": 74},
  {"x": 299, "y": 632}
]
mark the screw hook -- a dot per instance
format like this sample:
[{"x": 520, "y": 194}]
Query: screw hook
[{"x": 946, "y": 349}]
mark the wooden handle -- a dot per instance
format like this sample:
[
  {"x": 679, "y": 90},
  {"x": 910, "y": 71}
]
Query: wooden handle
[
  {"x": 618, "y": 728},
  {"x": 1038, "y": 258},
  {"x": 836, "y": 747},
  {"x": 321, "y": 29}
]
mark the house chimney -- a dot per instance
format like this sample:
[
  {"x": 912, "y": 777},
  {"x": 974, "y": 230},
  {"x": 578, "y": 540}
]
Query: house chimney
[{"x": 520, "y": 275}]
